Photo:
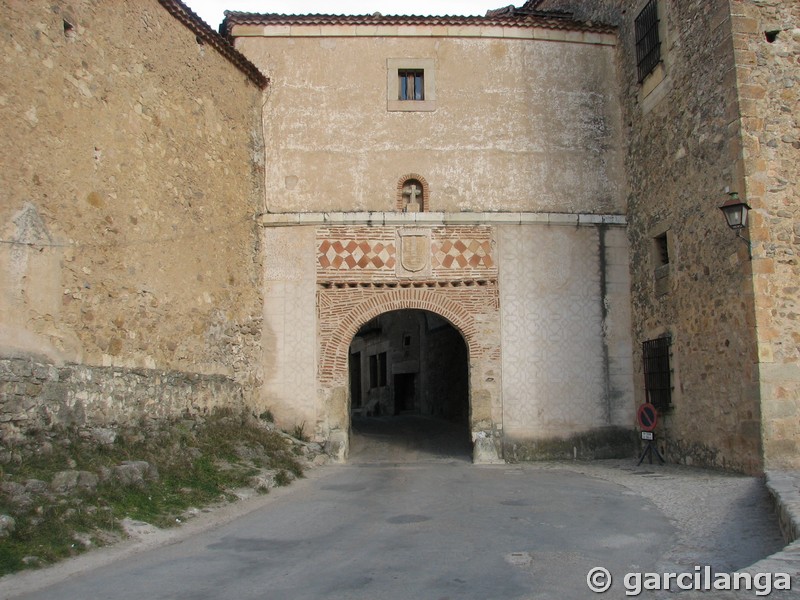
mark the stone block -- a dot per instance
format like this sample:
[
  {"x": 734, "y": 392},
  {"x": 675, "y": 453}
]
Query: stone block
[
  {"x": 7, "y": 525},
  {"x": 742, "y": 24},
  {"x": 484, "y": 450},
  {"x": 264, "y": 480},
  {"x": 135, "y": 473},
  {"x": 305, "y": 31},
  {"x": 336, "y": 446},
  {"x": 752, "y": 92},
  {"x": 64, "y": 481}
]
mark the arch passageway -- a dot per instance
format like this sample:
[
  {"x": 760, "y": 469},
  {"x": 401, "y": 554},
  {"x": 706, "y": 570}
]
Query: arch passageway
[{"x": 409, "y": 388}]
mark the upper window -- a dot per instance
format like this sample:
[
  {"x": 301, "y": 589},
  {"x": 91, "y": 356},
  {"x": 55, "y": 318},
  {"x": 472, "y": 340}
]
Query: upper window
[
  {"x": 648, "y": 44},
  {"x": 411, "y": 84}
]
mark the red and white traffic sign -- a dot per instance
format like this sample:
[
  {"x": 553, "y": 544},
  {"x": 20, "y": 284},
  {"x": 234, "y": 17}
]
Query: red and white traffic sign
[{"x": 647, "y": 416}]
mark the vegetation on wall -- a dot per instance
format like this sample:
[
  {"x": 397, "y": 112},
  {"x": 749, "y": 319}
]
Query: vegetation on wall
[{"x": 69, "y": 491}]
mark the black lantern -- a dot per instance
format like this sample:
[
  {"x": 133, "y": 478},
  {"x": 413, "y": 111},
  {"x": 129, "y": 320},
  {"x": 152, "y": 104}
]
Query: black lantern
[{"x": 735, "y": 212}]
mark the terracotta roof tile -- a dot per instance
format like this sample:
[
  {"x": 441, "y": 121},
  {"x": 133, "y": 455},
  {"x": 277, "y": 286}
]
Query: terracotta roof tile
[
  {"x": 507, "y": 17},
  {"x": 204, "y": 32}
]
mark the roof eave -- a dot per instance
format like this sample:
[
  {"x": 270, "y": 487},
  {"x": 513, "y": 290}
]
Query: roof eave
[{"x": 204, "y": 32}]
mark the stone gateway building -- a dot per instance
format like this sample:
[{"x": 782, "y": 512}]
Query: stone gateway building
[{"x": 509, "y": 221}]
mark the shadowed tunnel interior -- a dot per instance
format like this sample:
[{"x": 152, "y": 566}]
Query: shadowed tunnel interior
[{"x": 409, "y": 388}]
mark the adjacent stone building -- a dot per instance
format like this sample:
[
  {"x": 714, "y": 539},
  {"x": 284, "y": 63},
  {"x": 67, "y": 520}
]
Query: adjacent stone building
[
  {"x": 716, "y": 115},
  {"x": 130, "y": 261},
  {"x": 510, "y": 221}
]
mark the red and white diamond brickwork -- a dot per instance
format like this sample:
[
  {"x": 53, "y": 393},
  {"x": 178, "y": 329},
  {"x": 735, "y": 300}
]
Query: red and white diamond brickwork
[
  {"x": 356, "y": 254},
  {"x": 371, "y": 253},
  {"x": 461, "y": 254}
]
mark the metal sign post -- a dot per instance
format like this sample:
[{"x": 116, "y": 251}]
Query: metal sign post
[{"x": 647, "y": 416}]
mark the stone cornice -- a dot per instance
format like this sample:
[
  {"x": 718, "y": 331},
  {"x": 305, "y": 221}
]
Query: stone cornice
[
  {"x": 433, "y": 219},
  {"x": 602, "y": 38}
]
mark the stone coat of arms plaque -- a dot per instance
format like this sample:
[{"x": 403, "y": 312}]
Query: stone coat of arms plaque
[{"x": 415, "y": 252}]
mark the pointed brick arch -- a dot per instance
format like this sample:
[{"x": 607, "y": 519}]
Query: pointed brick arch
[{"x": 336, "y": 344}]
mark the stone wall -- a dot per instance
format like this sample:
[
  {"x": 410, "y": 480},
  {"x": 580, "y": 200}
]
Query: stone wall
[
  {"x": 718, "y": 117},
  {"x": 132, "y": 168},
  {"x": 766, "y": 38},
  {"x": 38, "y": 396},
  {"x": 679, "y": 176}
]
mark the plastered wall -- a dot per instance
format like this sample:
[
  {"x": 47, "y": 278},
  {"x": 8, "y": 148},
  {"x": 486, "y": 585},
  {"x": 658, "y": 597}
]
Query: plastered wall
[
  {"x": 566, "y": 351},
  {"x": 511, "y": 132}
]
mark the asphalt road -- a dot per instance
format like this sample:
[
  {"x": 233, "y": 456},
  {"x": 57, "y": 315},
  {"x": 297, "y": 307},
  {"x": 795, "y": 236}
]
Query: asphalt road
[{"x": 405, "y": 520}]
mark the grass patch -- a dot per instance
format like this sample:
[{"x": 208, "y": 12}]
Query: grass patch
[{"x": 186, "y": 464}]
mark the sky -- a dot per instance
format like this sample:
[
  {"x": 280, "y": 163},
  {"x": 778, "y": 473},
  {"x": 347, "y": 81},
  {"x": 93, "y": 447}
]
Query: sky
[{"x": 211, "y": 11}]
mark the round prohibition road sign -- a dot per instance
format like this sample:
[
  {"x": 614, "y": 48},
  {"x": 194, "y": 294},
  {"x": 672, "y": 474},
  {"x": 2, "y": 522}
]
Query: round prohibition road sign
[{"x": 647, "y": 416}]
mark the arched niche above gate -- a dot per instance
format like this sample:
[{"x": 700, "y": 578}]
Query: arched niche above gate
[{"x": 412, "y": 193}]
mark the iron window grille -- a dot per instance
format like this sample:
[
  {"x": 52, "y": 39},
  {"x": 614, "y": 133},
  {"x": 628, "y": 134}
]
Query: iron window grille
[
  {"x": 412, "y": 84},
  {"x": 648, "y": 45},
  {"x": 657, "y": 372}
]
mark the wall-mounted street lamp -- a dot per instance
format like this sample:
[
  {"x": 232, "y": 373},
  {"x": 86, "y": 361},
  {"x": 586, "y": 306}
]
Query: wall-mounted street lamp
[{"x": 735, "y": 212}]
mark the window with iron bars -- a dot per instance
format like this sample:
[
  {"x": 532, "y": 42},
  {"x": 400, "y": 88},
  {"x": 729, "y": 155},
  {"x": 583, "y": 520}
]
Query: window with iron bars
[
  {"x": 411, "y": 85},
  {"x": 648, "y": 44},
  {"x": 657, "y": 372}
]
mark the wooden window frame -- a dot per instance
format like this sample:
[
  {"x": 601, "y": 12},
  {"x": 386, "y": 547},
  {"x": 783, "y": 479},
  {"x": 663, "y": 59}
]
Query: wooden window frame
[
  {"x": 411, "y": 84},
  {"x": 423, "y": 67}
]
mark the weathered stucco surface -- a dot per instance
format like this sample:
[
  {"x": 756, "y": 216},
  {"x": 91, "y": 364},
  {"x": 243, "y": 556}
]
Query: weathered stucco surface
[
  {"x": 130, "y": 182},
  {"x": 290, "y": 327},
  {"x": 566, "y": 316},
  {"x": 511, "y": 132}
]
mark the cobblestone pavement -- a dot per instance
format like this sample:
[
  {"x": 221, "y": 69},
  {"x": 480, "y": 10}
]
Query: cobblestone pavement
[{"x": 722, "y": 520}]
